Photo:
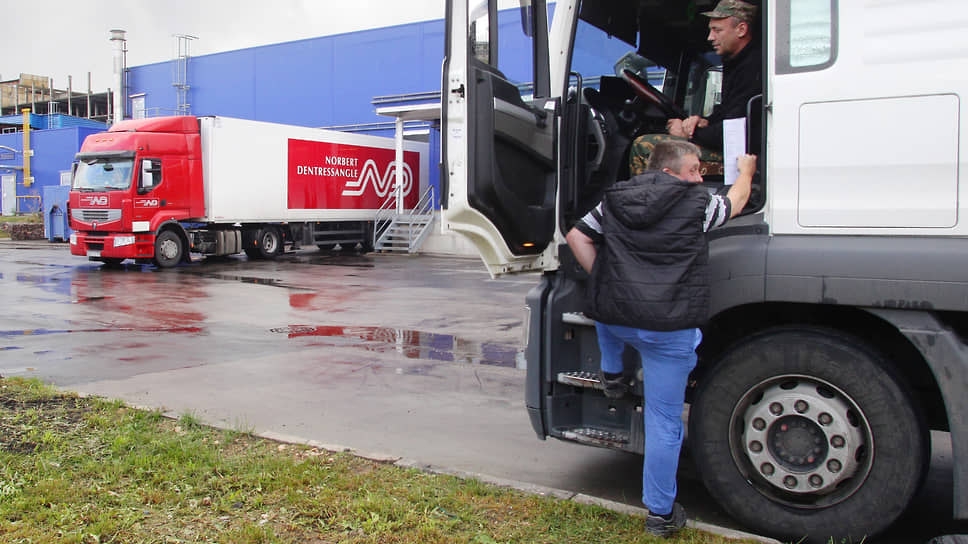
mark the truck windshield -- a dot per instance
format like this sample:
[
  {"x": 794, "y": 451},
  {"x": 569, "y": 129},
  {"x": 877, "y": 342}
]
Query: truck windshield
[{"x": 103, "y": 174}]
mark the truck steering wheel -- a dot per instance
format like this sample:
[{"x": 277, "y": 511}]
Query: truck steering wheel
[{"x": 651, "y": 95}]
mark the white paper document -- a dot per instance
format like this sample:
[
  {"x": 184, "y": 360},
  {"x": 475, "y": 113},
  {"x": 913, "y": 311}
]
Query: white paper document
[{"x": 734, "y": 145}]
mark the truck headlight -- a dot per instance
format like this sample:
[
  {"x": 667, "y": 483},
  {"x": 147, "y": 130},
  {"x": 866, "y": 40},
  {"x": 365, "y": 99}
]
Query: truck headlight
[
  {"x": 120, "y": 241},
  {"x": 73, "y": 239}
]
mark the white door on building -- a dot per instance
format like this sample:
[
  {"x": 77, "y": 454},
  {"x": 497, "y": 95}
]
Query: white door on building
[
  {"x": 138, "y": 107},
  {"x": 8, "y": 194}
]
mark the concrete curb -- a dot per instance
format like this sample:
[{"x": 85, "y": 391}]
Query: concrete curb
[
  {"x": 41, "y": 242},
  {"x": 523, "y": 487}
]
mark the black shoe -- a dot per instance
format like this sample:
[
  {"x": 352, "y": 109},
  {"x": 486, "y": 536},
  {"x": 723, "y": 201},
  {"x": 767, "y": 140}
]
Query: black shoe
[
  {"x": 660, "y": 526},
  {"x": 614, "y": 388}
]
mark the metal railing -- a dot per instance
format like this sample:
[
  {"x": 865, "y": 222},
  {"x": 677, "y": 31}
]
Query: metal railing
[
  {"x": 34, "y": 206},
  {"x": 425, "y": 211},
  {"x": 417, "y": 222},
  {"x": 383, "y": 219}
]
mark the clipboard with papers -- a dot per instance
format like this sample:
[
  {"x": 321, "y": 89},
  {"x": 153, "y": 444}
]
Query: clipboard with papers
[{"x": 734, "y": 145}]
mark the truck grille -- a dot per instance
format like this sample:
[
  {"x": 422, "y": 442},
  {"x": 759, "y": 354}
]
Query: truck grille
[{"x": 101, "y": 215}]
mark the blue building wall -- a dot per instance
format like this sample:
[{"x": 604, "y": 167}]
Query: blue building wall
[
  {"x": 324, "y": 81},
  {"x": 40, "y": 121},
  {"x": 327, "y": 81},
  {"x": 54, "y": 152}
]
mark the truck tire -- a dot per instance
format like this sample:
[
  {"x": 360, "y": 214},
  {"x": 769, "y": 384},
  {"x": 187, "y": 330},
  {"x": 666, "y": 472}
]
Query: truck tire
[
  {"x": 169, "y": 249},
  {"x": 804, "y": 434},
  {"x": 270, "y": 242},
  {"x": 262, "y": 243}
]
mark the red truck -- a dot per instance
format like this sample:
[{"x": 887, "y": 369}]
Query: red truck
[{"x": 158, "y": 189}]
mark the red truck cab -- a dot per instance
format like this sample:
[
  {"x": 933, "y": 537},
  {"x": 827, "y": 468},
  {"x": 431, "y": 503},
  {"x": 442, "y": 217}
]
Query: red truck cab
[{"x": 132, "y": 180}]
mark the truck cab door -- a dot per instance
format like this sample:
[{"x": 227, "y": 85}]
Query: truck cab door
[{"x": 499, "y": 133}]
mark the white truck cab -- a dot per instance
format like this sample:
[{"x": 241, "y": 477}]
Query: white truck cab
[{"x": 838, "y": 335}]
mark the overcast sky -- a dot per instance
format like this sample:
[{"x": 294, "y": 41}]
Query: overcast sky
[{"x": 58, "y": 38}]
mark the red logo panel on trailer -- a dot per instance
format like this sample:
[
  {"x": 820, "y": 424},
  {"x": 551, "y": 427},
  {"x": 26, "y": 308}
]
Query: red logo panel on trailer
[{"x": 325, "y": 175}]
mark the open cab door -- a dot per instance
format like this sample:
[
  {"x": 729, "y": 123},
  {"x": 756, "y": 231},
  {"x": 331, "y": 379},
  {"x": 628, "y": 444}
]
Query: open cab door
[{"x": 499, "y": 134}]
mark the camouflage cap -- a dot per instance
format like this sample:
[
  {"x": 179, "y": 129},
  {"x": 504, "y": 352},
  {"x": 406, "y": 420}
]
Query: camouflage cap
[{"x": 743, "y": 11}]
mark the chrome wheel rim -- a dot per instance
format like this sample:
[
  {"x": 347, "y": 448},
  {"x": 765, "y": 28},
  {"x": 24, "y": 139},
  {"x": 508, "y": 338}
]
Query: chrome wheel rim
[
  {"x": 801, "y": 441},
  {"x": 269, "y": 243},
  {"x": 168, "y": 249}
]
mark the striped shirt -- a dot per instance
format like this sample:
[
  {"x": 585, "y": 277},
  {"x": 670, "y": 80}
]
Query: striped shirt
[{"x": 717, "y": 213}]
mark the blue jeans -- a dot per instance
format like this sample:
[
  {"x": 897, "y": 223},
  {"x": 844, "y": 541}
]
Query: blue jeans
[{"x": 667, "y": 359}]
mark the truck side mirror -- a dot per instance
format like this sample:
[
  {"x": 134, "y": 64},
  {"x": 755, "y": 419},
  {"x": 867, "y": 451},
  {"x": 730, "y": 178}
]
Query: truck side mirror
[
  {"x": 527, "y": 13},
  {"x": 713, "y": 89}
]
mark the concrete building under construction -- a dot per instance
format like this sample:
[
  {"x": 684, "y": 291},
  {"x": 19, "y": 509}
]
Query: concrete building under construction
[{"x": 38, "y": 94}]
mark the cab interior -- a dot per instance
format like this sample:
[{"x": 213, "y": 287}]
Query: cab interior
[{"x": 669, "y": 52}]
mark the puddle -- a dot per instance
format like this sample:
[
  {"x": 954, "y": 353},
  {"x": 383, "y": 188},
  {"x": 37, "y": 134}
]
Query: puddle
[
  {"x": 82, "y": 300},
  {"x": 241, "y": 279},
  {"x": 412, "y": 344},
  {"x": 42, "y": 332},
  {"x": 50, "y": 284},
  {"x": 353, "y": 261}
]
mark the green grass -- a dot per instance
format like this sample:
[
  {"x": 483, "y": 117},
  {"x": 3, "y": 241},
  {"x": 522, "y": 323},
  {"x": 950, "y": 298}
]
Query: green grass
[
  {"x": 35, "y": 217},
  {"x": 76, "y": 470}
]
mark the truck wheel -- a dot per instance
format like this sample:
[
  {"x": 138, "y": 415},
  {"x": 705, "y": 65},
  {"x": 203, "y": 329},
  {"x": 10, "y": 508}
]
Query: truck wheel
[
  {"x": 270, "y": 242},
  {"x": 169, "y": 249},
  {"x": 806, "y": 433}
]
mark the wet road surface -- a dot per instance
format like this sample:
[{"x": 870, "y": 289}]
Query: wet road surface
[{"x": 411, "y": 356}]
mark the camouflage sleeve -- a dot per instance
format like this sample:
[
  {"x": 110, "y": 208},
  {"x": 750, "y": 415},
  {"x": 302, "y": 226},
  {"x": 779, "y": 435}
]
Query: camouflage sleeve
[{"x": 641, "y": 151}]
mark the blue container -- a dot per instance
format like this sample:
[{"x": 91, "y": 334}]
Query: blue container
[{"x": 55, "y": 213}]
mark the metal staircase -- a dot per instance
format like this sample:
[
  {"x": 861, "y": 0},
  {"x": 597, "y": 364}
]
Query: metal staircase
[{"x": 393, "y": 231}]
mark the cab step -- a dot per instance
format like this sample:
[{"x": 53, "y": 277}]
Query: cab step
[
  {"x": 581, "y": 378},
  {"x": 595, "y": 437},
  {"x": 590, "y": 380},
  {"x": 576, "y": 318}
]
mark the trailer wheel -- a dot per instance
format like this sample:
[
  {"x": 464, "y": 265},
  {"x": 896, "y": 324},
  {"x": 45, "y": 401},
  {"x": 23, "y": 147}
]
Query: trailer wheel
[
  {"x": 169, "y": 249},
  {"x": 270, "y": 242},
  {"x": 805, "y": 434}
]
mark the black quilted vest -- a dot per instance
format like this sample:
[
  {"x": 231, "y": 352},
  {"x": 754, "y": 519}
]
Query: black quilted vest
[{"x": 650, "y": 272}]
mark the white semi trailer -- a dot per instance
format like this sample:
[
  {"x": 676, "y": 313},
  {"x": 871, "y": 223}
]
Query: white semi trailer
[{"x": 161, "y": 188}]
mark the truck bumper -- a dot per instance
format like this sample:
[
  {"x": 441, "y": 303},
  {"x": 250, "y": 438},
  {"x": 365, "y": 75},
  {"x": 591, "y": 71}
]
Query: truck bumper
[{"x": 113, "y": 246}]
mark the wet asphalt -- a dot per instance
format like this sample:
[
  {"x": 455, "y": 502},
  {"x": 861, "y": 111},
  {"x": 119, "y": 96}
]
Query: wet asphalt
[{"x": 417, "y": 357}]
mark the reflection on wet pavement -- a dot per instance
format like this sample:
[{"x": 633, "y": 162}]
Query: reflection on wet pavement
[
  {"x": 241, "y": 279},
  {"x": 40, "y": 332},
  {"x": 412, "y": 344},
  {"x": 358, "y": 261}
]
